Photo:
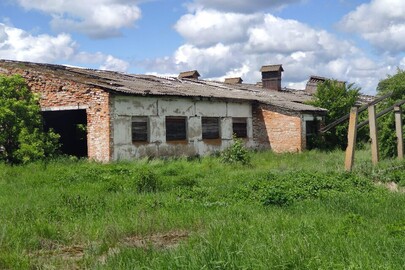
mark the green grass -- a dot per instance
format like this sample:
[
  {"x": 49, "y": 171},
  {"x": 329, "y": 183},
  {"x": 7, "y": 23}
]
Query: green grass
[{"x": 290, "y": 211}]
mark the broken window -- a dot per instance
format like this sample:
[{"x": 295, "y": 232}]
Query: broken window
[
  {"x": 176, "y": 128},
  {"x": 239, "y": 126},
  {"x": 210, "y": 127},
  {"x": 140, "y": 129}
]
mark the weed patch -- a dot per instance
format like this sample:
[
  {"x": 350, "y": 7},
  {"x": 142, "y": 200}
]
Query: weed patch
[
  {"x": 298, "y": 211},
  {"x": 147, "y": 181}
]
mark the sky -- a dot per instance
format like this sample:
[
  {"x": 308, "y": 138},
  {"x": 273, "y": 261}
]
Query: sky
[{"x": 357, "y": 41}]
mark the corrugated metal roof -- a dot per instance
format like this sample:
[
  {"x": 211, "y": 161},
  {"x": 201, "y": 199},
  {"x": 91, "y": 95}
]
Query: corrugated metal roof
[{"x": 169, "y": 86}]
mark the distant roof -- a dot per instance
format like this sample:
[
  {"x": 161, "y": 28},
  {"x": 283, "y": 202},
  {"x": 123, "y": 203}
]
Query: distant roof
[
  {"x": 270, "y": 68},
  {"x": 189, "y": 74},
  {"x": 130, "y": 84},
  {"x": 233, "y": 80},
  {"x": 317, "y": 79}
]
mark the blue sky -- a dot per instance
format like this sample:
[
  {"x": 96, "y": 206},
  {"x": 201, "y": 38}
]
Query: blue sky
[{"x": 358, "y": 41}]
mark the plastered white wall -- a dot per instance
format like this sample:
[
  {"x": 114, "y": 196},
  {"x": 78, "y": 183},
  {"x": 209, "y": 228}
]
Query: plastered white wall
[{"x": 156, "y": 108}]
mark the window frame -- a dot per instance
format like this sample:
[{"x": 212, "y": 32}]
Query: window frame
[
  {"x": 177, "y": 124},
  {"x": 237, "y": 123},
  {"x": 207, "y": 122},
  {"x": 144, "y": 135}
]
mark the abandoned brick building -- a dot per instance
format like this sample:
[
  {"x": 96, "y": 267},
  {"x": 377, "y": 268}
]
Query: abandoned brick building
[{"x": 107, "y": 116}]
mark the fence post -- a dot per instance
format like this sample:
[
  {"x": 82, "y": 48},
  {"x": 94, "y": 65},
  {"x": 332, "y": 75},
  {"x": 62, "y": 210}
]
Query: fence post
[
  {"x": 400, "y": 135},
  {"x": 351, "y": 139},
  {"x": 372, "y": 119}
]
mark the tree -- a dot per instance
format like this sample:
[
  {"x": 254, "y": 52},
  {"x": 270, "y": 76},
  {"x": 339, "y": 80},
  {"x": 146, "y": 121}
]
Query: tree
[
  {"x": 386, "y": 125},
  {"x": 337, "y": 98},
  {"x": 22, "y": 138}
]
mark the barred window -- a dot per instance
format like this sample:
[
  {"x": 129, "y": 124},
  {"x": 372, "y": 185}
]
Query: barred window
[
  {"x": 140, "y": 129},
  {"x": 239, "y": 126},
  {"x": 210, "y": 127},
  {"x": 176, "y": 128}
]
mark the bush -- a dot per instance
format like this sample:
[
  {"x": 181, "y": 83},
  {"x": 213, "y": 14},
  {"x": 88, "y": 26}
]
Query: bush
[
  {"x": 386, "y": 124},
  {"x": 22, "y": 138},
  {"x": 236, "y": 153}
]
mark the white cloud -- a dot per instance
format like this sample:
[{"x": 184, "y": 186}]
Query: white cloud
[
  {"x": 217, "y": 51},
  {"x": 380, "y": 22},
  {"x": 208, "y": 27},
  {"x": 210, "y": 61},
  {"x": 17, "y": 44},
  {"x": 96, "y": 18},
  {"x": 112, "y": 63},
  {"x": 286, "y": 36},
  {"x": 242, "y": 6}
]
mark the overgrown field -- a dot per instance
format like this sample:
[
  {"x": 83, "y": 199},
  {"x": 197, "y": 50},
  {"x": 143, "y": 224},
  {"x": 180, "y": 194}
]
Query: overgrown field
[{"x": 290, "y": 211}]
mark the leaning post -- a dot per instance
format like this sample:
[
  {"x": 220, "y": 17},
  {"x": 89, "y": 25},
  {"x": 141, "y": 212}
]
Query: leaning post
[
  {"x": 399, "y": 131},
  {"x": 351, "y": 139},
  {"x": 372, "y": 119}
]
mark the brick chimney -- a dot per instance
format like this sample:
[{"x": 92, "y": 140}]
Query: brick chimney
[
  {"x": 193, "y": 74},
  {"x": 271, "y": 77}
]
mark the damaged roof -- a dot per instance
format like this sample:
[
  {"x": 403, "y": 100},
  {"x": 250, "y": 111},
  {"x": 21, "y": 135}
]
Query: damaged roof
[
  {"x": 318, "y": 79},
  {"x": 131, "y": 84}
]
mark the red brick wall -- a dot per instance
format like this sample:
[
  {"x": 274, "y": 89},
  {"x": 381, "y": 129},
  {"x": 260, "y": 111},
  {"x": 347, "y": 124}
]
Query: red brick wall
[
  {"x": 278, "y": 130},
  {"x": 56, "y": 90}
]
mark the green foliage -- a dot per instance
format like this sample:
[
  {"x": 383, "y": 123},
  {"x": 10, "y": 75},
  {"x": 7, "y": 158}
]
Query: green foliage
[
  {"x": 236, "y": 153},
  {"x": 337, "y": 98},
  {"x": 285, "y": 188},
  {"x": 386, "y": 125},
  {"x": 285, "y": 211},
  {"x": 147, "y": 181},
  {"x": 21, "y": 136}
]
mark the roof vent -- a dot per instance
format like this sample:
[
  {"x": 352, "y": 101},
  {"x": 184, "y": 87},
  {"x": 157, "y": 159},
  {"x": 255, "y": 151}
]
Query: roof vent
[
  {"x": 193, "y": 74},
  {"x": 271, "y": 77},
  {"x": 237, "y": 80}
]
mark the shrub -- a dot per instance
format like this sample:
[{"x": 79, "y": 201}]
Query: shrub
[
  {"x": 386, "y": 125},
  {"x": 22, "y": 138},
  {"x": 236, "y": 153}
]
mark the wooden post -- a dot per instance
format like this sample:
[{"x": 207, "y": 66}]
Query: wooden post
[
  {"x": 400, "y": 135},
  {"x": 351, "y": 139},
  {"x": 373, "y": 134}
]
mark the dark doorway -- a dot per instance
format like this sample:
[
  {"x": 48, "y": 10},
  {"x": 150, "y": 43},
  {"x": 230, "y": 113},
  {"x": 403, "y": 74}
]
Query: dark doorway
[
  {"x": 312, "y": 132},
  {"x": 71, "y": 125}
]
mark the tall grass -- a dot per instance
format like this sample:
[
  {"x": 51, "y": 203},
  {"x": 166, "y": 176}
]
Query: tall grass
[{"x": 289, "y": 211}]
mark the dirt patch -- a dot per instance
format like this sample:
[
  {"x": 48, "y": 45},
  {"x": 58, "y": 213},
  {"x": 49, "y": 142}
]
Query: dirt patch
[
  {"x": 392, "y": 186},
  {"x": 54, "y": 253},
  {"x": 70, "y": 256},
  {"x": 158, "y": 240}
]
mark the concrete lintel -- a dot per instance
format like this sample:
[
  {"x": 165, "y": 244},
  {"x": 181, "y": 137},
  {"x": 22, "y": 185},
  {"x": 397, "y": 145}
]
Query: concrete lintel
[{"x": 65, "y": 108}]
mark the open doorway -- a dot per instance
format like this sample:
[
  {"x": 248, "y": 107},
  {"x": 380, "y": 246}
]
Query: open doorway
[{"x": 71, "y": 125}]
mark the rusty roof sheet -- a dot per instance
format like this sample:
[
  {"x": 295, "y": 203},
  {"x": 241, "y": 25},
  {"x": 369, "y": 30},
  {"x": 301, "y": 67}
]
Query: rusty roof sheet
[{"x": 131, "y": 84}]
